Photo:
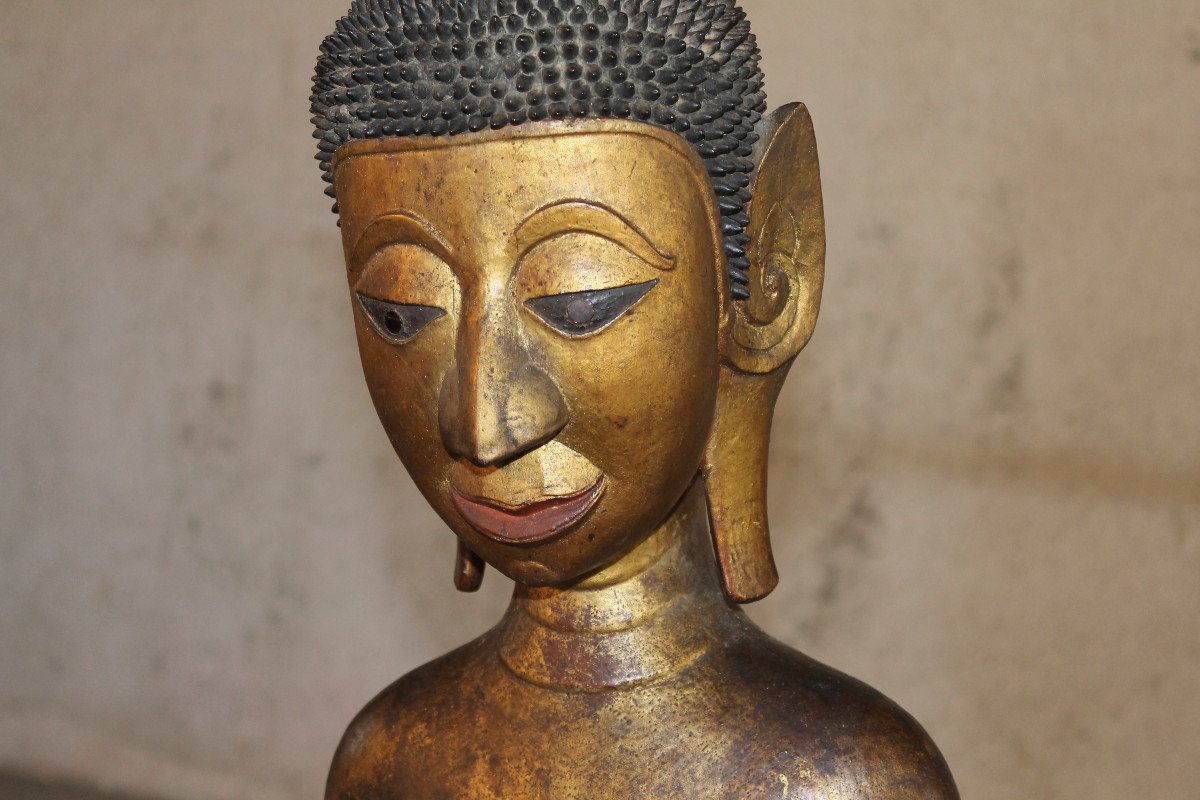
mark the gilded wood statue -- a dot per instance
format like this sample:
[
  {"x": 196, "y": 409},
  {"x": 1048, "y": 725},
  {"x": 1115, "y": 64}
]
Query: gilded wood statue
[{"x": 582, "y": 260}]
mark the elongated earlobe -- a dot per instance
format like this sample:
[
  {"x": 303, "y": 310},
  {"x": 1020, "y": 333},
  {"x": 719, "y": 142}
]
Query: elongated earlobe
[
  {"x": 736, "y": 476},
  {"x": 767, "y": 332},
  {"x": 468, "y": 570}
]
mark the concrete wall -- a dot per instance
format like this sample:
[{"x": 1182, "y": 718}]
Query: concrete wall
[{"x": 986, "y": 477}]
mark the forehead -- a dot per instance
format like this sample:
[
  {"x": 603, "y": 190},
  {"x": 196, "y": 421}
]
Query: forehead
[{"x": 476, "y": 190}]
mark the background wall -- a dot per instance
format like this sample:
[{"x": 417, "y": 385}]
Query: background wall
[{"x": 986, "y": 475}]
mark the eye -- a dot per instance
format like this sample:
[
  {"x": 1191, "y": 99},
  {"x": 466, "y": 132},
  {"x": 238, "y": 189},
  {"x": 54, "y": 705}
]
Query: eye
[
  {"x": 582, "y": 313},
  {"x": 396, "y": 322}
]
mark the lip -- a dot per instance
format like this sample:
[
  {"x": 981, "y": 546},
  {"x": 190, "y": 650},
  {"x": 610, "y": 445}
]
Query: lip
[{"x": 531, "y": 523}]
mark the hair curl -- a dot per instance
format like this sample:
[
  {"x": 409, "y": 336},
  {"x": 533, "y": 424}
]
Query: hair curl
[{"x": 436, "y": 68}]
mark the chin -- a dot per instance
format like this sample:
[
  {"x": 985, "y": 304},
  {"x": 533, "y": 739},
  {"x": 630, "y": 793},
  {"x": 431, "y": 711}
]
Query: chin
[
  {"x": 543, "y": 569},
  {"x": 536, "y": 574}
]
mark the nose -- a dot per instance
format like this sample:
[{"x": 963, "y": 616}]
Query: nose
[{"x": 496, "y": 404}]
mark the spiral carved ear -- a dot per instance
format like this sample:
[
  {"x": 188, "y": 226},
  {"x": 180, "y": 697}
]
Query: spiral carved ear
[
  {"x": 767, "y": 332},
  {"x": 787, "y": 248}
]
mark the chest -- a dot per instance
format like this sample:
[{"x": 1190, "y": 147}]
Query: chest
[{"x": 650, "y": 744}]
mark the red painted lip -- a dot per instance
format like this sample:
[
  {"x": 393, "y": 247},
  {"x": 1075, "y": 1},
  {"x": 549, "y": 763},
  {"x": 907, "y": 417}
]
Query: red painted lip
[{"x": 532, "y": 523}]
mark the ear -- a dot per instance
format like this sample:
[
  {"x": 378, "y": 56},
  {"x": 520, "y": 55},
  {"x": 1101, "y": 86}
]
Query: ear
[
  {"x": 468, "y": 569},
  {"x": 767, "y": 332}
]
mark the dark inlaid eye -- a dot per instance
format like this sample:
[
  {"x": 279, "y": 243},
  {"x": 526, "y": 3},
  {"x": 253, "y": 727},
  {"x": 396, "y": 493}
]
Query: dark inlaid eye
[
  {"x": 396, "y": 322},
  {"x": 582, "y": 313}
]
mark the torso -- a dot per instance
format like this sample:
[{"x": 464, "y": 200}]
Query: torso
[
  {"x": 750, "y": 719},
  {"x": 646, "y": 687}
]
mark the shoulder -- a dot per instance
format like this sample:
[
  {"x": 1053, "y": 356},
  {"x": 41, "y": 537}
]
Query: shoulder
[
  {"x": 375, "y": 753},
  {"x": 842, "y": 737}
]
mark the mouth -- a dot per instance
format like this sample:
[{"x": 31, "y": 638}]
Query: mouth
[{"x": 531, "y": 523}]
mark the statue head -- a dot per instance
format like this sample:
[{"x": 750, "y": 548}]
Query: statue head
[{"x": 581, "y": 261}]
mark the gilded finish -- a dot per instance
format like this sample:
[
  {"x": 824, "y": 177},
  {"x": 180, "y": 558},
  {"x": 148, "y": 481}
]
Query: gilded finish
[
  {"x": 547, "y": 334},
  {"x": 490, "y": 402}
]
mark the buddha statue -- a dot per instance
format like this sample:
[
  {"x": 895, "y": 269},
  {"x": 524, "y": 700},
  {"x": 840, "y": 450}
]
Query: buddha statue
[{"x": 581, "y": 261}]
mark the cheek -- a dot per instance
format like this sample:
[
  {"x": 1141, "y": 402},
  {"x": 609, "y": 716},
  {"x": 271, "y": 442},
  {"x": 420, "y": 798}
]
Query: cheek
[
  {"x": 404, "y": 382},
  {"x": 642, "y": 394}
]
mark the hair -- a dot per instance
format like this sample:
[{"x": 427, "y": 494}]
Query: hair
[{"x": 444, "y": 67}]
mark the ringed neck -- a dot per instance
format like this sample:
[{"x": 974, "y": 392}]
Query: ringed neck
[{"x": 649, "y": 616}]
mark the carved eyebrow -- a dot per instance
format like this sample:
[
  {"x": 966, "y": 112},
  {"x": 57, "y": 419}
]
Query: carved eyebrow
[
  {"x": 580, "y": 216},
  {"x": 397, "y": 227}
]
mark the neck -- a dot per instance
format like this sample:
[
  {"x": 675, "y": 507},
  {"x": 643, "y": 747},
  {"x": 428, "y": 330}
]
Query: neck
[{"x": 649, "y": 616}]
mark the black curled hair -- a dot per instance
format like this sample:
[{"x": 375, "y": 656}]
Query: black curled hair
[{"x": 442, "y": 67}]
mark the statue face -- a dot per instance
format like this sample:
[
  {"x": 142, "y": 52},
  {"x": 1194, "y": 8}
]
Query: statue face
[{"x": 539, "y": 312}]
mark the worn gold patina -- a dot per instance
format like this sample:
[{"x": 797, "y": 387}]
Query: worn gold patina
[{"x": 547, "y": 334}]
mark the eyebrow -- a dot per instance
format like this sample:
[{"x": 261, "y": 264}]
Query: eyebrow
[
  {"x": 581, "y": 216},
  {"x": 397, "y": 227}
]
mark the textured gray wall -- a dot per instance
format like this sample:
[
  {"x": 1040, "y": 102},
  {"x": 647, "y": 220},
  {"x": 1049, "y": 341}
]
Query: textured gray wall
[{"x": 986, "y": 480}]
